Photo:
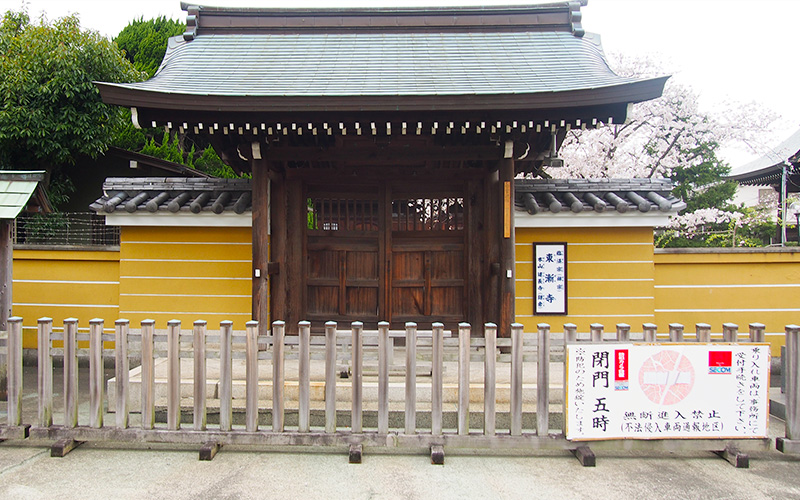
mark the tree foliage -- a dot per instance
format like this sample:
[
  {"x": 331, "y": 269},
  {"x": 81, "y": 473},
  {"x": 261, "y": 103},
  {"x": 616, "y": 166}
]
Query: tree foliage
[
  {"x": 145, "y": 42},
  {"x": 672, "y": 137},
  {"x": 50, "y": 111},
  {"x": 661, "y": 135}
]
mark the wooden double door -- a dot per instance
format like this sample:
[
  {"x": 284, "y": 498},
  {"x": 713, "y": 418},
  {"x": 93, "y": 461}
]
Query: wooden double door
[{"x": 389, "y": 251}]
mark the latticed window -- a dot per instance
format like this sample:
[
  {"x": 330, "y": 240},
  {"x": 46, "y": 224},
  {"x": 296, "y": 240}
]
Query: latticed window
[
  {"x": 340, "y": 214},
  {"x": 428, "y": 214}
]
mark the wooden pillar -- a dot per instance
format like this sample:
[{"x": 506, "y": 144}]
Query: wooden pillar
[
  {"x": 297, "y": 221},
  {"x": 492, "y": 234},
  {"x": 277, "y": 267},
  {"x": 507, "y": 252},
  {"x": 475, "y": 223},
  {"x": 6, "y": 251},
  {"x": 260, "y": 235}
]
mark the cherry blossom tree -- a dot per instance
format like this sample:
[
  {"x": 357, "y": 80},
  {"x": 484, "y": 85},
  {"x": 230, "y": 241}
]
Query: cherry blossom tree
[{"x": 661, "y": 135}]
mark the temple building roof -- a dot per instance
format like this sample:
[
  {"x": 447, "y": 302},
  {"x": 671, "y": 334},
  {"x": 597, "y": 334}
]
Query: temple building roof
[{"x": 386, "y": 60}]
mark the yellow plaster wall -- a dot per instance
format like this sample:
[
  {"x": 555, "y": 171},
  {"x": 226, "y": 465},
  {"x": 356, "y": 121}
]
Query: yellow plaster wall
[
  {"x": 739, "y": 286},
  {"x": 186, "y": 273},
  {"x": 609, "y": 276},
  {"x": 64, "y": 283}
]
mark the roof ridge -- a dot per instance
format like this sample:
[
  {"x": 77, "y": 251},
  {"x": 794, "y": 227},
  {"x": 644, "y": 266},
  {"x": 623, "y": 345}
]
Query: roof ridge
[{"x": 561, "y": 16}]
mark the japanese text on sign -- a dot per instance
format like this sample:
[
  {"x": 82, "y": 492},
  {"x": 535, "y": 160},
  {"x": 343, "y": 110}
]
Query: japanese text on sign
[
  {"x": 550, "y": 278},
  {"x": 646, "y": 391}
]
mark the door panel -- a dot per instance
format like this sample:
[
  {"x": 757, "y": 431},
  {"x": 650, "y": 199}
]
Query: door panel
[{"x": 374, "y": 256}]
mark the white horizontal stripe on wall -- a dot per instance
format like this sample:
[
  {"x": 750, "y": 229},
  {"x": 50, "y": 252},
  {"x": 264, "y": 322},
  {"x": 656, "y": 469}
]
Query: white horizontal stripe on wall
[
  {"x": 782, "y": 285},
  {"x": 601, "y": 280},
  {"x": 22, "y": 304},
  {"x": 167, "y": 295},
  {"x": 66, "y": 282},
  {"x": 205, "y": 261},
  {"x": 610, "y": 262},
  {"x": 609, "y": 244},
  {"x": 184, "y": 278},
  {"x": 186, "y": 243},
  {"x": 611, "y": 298},
  {"x": 544, "y": 316},
  {"x": 736, "y": 309},
  {"x": 190, "y": 313}
]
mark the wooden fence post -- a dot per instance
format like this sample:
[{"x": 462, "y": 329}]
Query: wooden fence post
[
  {"x": 330, "y": 376},
  {"x": 278, "y": 332},
  {"x": 623, "y": 332},
  {"x": 199, "y": 330},
  {"x": 148, "y": 374},
  {"x": 649, "y": 332},
  {"x": 570, "y": 333},
  {"x": 357, "y": 357},
  {"x": 251, "y": 377},
  {"x": 225, "y": 375},
  {"x": 757, "y": 332},
  {"x": 411, "y": 378},
  {"x": 14, "y": 370},
  {"x": 45, "y": 369},
  {"x": 730, "y": 332},
  {"x": 543, "y": 382},
  {"x": 790, "y": 443},
  {"x": 384, "y": 358},
  {"x": 490, "y": 379},
  {"x": 121, "y": 369},
  {"x": 464, "y": 333},
  {"x": 70, "y": 372},
  {"x": 304, "y": 377},
  {"x": 96, "y": 385},
  {"x": 703, "y": 332},
  {"x": 436, "y": 379},
  {"x": 596, "y": 332},
  {"x": 174, "y": 375},
  {"x": 675, "y": 332},
  {"x": 516, "y": 379}
]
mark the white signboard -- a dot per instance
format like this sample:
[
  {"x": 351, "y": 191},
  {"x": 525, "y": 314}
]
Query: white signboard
[
  {"x": 650, "y": 391},
  {"x": 550, "y": 278}
]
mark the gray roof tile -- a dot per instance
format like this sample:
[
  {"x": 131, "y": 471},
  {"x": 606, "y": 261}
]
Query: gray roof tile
[{"x": 382, "y": 64}]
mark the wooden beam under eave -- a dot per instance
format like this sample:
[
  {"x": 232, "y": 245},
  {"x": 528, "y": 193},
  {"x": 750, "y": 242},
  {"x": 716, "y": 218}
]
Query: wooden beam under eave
[
  {"x": 260, "y": 234},
  {"x": 376, "y": 155}
]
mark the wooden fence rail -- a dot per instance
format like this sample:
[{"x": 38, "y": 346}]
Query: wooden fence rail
[{"x": 434, "y": 435}]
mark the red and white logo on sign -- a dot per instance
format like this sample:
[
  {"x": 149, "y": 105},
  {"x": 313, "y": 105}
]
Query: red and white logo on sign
[
  {"x": 720, "y": 361},
  {"x": 621, "y": 370}
]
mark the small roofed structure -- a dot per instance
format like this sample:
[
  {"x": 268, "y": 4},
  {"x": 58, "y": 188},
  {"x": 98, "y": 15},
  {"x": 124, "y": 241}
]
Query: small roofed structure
[
  {"x": 768, "y": 170},
  {"x": 778, "y": 169},
  {"x": 383, "y": 144},
  {"x": 17, "y": 189}
]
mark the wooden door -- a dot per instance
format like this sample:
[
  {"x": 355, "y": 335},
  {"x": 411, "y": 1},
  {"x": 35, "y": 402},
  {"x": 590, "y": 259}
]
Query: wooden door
[
  {"x": 344, "y": 247},
  {"x": 427, "y": 257},
  {"x": 386, "y": 252}
]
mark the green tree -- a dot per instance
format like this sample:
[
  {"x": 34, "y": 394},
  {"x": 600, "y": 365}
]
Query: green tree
[
  {"x": 50, "y": 111},
  {"x": 702, "y": 185},
  {"x": 145, "y": 42}
]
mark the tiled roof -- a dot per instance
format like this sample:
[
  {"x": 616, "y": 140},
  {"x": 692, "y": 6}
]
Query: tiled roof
[
  {"x": 174, "y": 194},
  {"x": 598, "y": 195},
  {"x": 768, "y": 169},
  {"x": 182, "y": 195},
  {"x": 394, "y": 64},
  {"x": 380, "y": 57}
]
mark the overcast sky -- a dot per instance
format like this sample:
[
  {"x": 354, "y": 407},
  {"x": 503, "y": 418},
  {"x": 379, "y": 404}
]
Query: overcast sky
[{"x": 742, "y": 50}]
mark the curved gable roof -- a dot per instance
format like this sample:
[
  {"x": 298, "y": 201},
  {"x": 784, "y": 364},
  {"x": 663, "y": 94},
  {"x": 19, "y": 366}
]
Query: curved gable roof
[{"x": 535, "y": 57}]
